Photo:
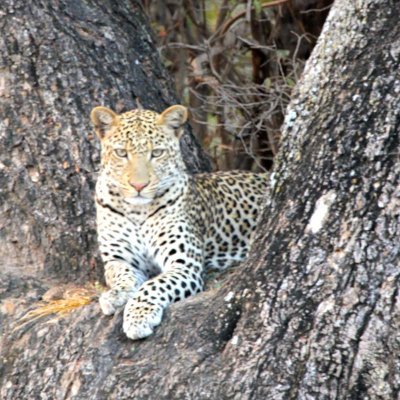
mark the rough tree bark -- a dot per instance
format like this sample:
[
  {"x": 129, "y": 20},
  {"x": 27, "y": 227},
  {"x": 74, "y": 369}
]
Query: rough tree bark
[
  {"x": 314, "y": 312},
  {"x": 58, "y": 59}
]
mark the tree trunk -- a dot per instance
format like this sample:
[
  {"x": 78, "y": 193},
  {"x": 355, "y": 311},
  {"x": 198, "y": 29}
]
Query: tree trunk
[
  {"x": 58, "y": 59},
  {"x": 314, "y": 312}
]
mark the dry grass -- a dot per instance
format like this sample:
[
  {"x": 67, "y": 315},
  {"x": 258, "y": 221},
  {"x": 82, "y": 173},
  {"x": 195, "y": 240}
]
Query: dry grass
[{"x": 60, "y": 302}]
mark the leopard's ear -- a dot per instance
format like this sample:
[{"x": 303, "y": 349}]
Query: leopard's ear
[
  {"x": 103, "y": 120},
  {"x": 174, "y": 117}
]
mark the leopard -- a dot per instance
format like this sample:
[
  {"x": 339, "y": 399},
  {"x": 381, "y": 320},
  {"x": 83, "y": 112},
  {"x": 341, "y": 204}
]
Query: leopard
[{"x": 159, "y": 227}]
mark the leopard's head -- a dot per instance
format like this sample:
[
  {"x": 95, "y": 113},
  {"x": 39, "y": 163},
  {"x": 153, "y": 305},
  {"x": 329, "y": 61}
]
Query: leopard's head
[{"x": 140, "y": 153}]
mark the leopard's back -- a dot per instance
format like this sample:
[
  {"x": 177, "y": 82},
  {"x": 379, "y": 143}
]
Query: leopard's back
[{"x": 230, "y": 205}]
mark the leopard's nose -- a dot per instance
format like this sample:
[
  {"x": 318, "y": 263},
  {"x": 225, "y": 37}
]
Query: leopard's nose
[{"x": 138, "y": 186}]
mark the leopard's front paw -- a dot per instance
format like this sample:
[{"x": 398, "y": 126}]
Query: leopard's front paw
[
  {"x": 113, "y": 299},
  {"x": 140, "y": 319}
]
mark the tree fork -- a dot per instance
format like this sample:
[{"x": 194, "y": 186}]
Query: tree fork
[{"x": 314, "y": 312}]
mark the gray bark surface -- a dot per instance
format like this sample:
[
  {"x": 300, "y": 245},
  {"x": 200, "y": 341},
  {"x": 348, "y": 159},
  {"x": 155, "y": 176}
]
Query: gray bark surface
[
  {"x": 58, "y": 59},
  {"x": 314, "y": 312}
]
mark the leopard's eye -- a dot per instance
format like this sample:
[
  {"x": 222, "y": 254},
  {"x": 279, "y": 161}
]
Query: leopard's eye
[
  {"x": 121, "y": 153},
  {"x": 157, "y": 153}
]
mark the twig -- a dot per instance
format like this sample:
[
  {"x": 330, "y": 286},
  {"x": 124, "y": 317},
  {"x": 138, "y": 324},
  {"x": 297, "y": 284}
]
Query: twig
[{"x": 230, "y": 22}]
